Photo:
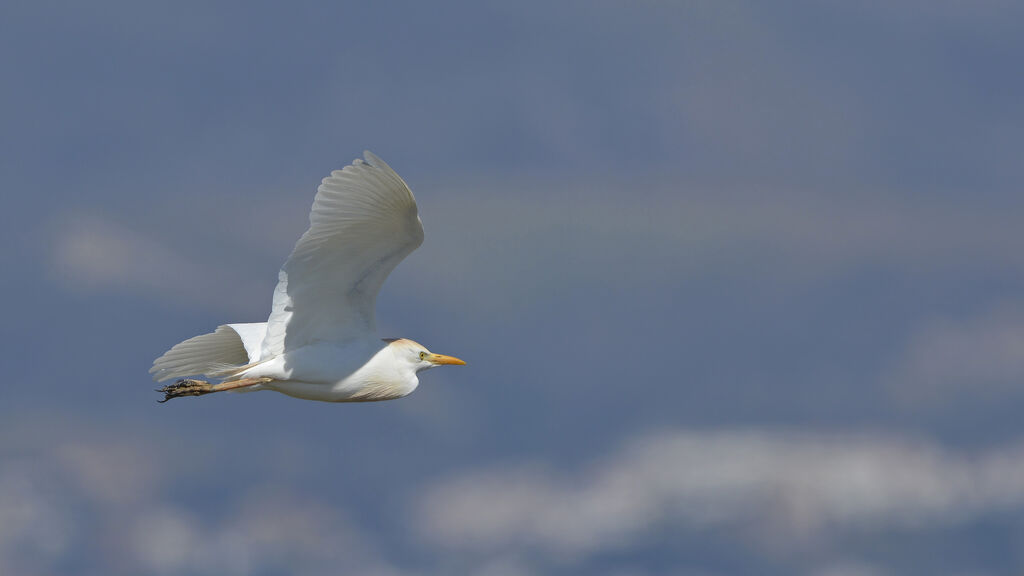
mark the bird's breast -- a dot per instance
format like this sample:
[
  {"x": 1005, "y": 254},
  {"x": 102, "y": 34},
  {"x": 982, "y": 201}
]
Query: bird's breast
[
  {"x": 344, "y": 391},
  {"x": 362, "y": 372}
]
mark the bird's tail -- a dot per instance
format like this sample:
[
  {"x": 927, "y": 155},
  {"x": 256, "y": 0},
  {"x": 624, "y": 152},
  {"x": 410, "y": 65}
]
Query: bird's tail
[{"x": 219, "y": 354}]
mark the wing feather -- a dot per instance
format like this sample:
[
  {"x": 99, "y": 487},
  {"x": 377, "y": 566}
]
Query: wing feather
[
  {"x": 203, "y": 354},
  {"x": 364, "y": 221}
]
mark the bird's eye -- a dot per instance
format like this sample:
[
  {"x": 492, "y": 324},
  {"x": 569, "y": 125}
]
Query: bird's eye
[{"x": 423, "y": 355}]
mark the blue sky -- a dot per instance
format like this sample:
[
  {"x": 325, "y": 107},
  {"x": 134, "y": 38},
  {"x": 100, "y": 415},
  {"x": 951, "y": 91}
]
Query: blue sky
[{"x": 739, "y": 287}]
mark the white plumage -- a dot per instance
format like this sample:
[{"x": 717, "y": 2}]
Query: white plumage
[
  {"x": 320, "y": 340},
  {"x": 222, "y": 349}
]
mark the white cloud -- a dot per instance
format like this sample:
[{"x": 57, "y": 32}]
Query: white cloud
[
  {"x": 570, "y": 236},
  {"x": 558, "y": 236},
  {"x": 779, "y": 490},
  {"x": 165, "y": 540},
  {"x": 772, "y": 492},
  {"x": 93, "y": 254},
  {"x": 103, "y": 499},
  {"x": 982, "y": 355},
  {"x": 35, "y": 529},
  {"x": 269, "y": 529}
]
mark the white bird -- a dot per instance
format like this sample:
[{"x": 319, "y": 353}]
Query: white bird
[{"x": 320, "y": 341}]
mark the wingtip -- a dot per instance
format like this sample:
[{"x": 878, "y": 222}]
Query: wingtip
[{"x": 377, "y": 162}]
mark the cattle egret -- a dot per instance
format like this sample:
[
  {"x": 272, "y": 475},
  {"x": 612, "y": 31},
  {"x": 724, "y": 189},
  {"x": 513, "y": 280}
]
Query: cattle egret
[{"x": 320, "y": 341}]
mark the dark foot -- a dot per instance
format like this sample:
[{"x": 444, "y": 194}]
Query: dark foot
[{"x": 185, "y": 388}]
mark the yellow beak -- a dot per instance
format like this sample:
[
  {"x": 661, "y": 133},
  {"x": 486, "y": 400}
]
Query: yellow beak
[{"x": 442, "y": 359}]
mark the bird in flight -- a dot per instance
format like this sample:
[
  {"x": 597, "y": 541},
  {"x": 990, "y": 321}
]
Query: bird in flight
[{"x": 320, "y": 342}]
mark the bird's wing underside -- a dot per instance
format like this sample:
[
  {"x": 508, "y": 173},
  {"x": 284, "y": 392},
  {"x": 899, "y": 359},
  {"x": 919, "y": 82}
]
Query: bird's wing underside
[{"x": 363, "y": 223}]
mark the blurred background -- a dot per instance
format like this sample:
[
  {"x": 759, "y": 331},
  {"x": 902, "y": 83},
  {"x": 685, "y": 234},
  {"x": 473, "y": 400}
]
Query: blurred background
[{"x": 739, "y": 285}]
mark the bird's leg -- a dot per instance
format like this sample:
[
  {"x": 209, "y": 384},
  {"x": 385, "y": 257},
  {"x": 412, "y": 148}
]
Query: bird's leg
[
  {"x": 185, "y": 387},
  {"x": 188, "y": 387}
]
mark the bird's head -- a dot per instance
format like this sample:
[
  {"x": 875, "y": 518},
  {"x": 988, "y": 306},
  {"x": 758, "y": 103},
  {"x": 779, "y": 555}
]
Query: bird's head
[{"x": 417, "y": 356}]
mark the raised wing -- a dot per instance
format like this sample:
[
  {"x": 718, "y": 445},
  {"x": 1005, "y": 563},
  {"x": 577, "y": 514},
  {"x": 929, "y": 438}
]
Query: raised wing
[{"x": 363, "y": 223}]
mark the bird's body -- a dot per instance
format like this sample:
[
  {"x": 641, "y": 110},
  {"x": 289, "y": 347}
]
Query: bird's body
[
  {"x": 320, "y": 341},
  {"x": 350, "y": 372}
]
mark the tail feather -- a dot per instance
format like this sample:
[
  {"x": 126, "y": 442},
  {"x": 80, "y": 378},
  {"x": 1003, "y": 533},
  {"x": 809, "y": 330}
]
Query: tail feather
[{"x": 220, "y": 352}]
